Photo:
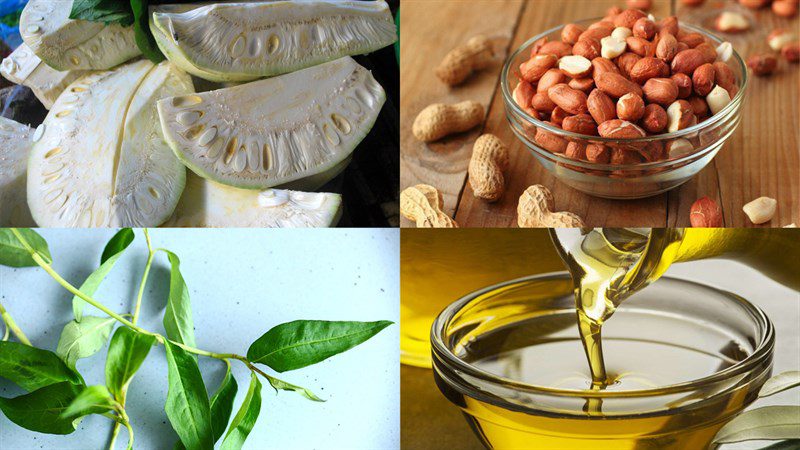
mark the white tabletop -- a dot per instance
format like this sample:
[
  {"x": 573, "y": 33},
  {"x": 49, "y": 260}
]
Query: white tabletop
[{"x": 242, "y": 282}]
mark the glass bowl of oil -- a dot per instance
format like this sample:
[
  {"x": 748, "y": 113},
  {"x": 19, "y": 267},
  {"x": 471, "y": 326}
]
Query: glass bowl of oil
[{"x": 684, "y": 358}]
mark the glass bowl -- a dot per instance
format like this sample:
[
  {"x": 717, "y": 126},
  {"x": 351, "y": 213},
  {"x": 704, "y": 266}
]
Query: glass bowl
[
  {"x": 486, "y": 362},
  {"x": 624, "y": 181}
]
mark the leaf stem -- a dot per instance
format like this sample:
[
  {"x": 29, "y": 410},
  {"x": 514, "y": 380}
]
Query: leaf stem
[
  {"x": 143, "y": 282},
  {"x": 12, "y": 326},
  {"x": 114, "y": 435}
]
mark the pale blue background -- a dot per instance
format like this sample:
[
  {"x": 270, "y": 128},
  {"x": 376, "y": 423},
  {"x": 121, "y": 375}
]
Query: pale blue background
[{"x": 242, "y": 282}]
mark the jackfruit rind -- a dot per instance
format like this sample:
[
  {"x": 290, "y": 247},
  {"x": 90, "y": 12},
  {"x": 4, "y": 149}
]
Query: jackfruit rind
[
  {"x": 246, "y": 41},
  {"x": 25, "y": 68},
  {"x": 15, "y": 143},
  {"x": 68, "y": 44},
  {"x": 208, "y": 204},
  {"x": 274, "y": 131},
  {"x": 101, "y": 159}
]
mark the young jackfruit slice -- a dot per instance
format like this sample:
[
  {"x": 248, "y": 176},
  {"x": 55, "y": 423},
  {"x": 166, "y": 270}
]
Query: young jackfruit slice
[
  {"x": 15, "y": 144},
  {"x": 101, "y": 159},
  {"x": 25, "y": 68},
  {"x": 246, "y": 41},
  {"x": 208, "y": 204},
  {"x": 67, "y": 44},
  {"x": 275, "y": 131}
]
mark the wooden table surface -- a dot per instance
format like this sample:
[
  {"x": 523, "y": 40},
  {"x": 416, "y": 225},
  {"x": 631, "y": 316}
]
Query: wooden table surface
[{"x": 762, "y": 158}]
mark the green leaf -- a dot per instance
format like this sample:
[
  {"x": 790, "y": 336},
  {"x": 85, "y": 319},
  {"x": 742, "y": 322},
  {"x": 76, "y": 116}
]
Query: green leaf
[
  {"x": 144, "y": 37},
  {"x": 222, "y": 403},
  {"x": 780, "y": 383},
  {"x": 33, "y": 368},
  {"x": 91, "y": 400},
  {"x": 279, "y": 384},
  {"x": 41, "y": 409},
  {"x": 126, "y": 353},
  {"x": 187, "y": 405},
  {"x": 178, "y": 315},
  {"x": 246, "y": 417},
  {"x": 105, "y": 11},
  {"x": 767, "y": 423},
  {"x": 82, "y": 339},
  {"x": 14, "y": 253},
  {"x": 111, "y": 254},
  {"x": 302, "y": 343}
]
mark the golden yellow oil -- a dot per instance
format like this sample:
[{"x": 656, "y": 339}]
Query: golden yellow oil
[{"x": 440, "y": 266}]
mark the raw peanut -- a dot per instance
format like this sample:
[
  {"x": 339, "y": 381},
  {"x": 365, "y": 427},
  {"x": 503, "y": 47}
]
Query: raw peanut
[
  {"x": 780, "y": 37},
  {"x": 611, "y": 13},
  {"x": 423, "y": 204},
  {"x": 597, "y": 32},
  {"x": 761, "y": 210},
  {"x": 680, "y": 115},
  {"x": 581, "y": 124},
  {"x": 678, "y": 148},
  {"x": 600, "y": 106},
  {"x": 648, "y": 67},
  {"x": 791, "y": 52},
  {"x": 533, "y": 113},
  {"x": 556, "y": 48},
  {"x": 598, "y": 154},
  {"x": 724, "y": 51},
  {"x": 439, "y": 120},
  {"x": 463, "y": 60},
  {"x": 628, "y": 18},
  {"x": 717, "y": 99},
  {"x": 663, "y": 91},
  {"x": 558, "y": 115},
  {"x": 691, "y": 39},
  {"x": 621, "y": 157},
  {"x": 667, "y": 47},
  {"x": 708, "y": 51},
  {"x": 641, "y": 47},
  {"x": 549, "y": 141},
  {"x": 644, "y": 5},
  {"x": 703, "y": 79},
  {"x": 699, "y": 106},
  {"x": 653, "y": 152},
  {"x": 684, "y": 84},
  {"x": 754, "y": 4},
  {"x": 620, "y": 129},
  {"x": 731, "y": 22},
  {"x": 576, "y": 150},
  {"x": 601, "y": 65},
  {"x": 615, "y": 85},
  {"x": 522, "y": 94},
  {"x": 541, "y": 102},
  {"x": 654, "y": 119},
  {"x": 611, "y": 47},
  {"x": 762, "y": 64},
  {"x": 550, "y": 78},
  {"x": 535, "y": 210},
  {"x": 533, "y": 69},
  {"x": 486, "y": 166},
  {"x": 682, "y": 46},
  {"x": 668, "y": 25},
  {"x": 692, "y": 3},
  {"x": 570, "y": 100},
  {"x": 644, "y": 28},
  {"x": 724, "y": 76},
  {"x": 575, "y": 66},
  {"x": 705, "y": 213},
  {"x": 570, "y": 33},
  {"x": 582, "y": 84},
  {"x": 630, "y": 107},
  {"x": 537, "y": 45},
  {"x": 784, "y": 8},
  {"x": 621, "y": 33},
  {"x": 687, "y": 60},
  {"x": 587, "y": 47},
  {"x": 626, "y": 61}
]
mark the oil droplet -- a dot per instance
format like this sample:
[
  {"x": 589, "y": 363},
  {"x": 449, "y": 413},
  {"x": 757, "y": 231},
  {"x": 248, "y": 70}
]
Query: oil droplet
[
  {"x": 273, "y": 43},
  {"x": 52, "y": 152},
  {"x": 64, "y": 113}
]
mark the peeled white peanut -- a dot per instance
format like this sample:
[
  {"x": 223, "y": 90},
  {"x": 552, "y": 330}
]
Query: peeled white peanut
[
  {"x": 679, "y": 147},
  {"x": 611, "y": 47},
  {"x": 717, "y": 99},
  {"x": 621, "y": 33},
  {"x": 724, "y": 51},
  {"x": 761, "y": 209}
]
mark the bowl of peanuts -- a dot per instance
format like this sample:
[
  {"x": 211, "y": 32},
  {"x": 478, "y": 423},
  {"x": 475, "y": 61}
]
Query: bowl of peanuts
[{"x": 624, "y": 106}]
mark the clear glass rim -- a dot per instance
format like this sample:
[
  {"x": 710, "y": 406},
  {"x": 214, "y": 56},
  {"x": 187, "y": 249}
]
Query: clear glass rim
[
  {"x": 716, "y": 118},
  {"x": 441, "y": 352}
]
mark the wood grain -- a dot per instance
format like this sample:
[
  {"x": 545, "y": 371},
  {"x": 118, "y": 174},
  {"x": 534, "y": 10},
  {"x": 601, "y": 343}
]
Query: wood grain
[{"x": 762, "y": 158}]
